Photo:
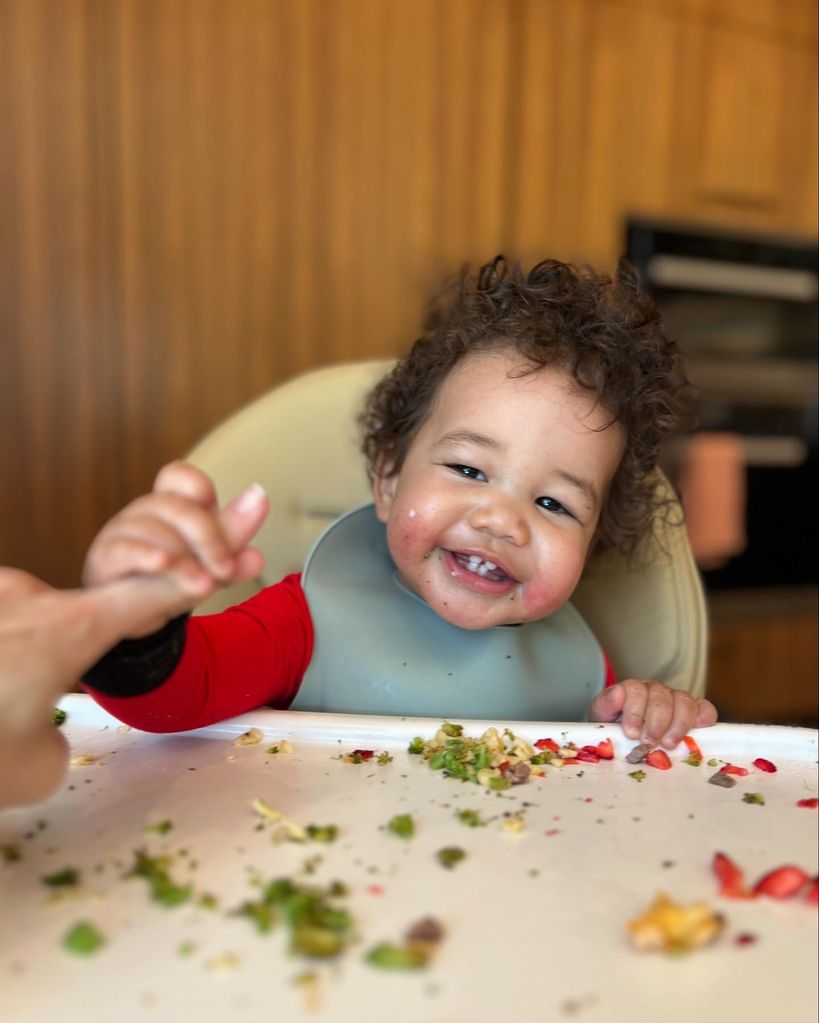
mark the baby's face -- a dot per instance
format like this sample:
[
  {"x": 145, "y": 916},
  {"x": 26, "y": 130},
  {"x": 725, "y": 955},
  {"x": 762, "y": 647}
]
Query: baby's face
[{"x": 492, "y": 514}]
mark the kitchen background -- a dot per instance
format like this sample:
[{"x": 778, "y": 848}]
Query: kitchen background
[{"x": 201, "y": 198}]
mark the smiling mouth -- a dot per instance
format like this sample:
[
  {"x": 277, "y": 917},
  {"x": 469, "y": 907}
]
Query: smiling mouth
[{"x": 478, "y": 566}]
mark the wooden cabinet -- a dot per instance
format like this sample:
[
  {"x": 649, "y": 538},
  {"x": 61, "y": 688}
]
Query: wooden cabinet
[
  {"x": 701, "y": 111},
  {"x": 762, "y": 666}
]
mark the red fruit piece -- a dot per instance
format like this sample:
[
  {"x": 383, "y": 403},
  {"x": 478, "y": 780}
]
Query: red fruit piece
[
  {"x": 812, "y": 894},
  {"x": 548, "y": 744},
  {"x": 571, "y": 760},
  {"x": 809, "y": 804},
  {"x": 658, "y": 758},
  {"x": 587, "y": 755},
  {"x": 731, "y": 879},
  {"x": 733, "y": 769},
  {"x": 605, "y": 750},
  {"x": 365, "y": 754},
  {"x": 765, "y": 765},
  {"x": 781, "y": 883},
  {"x": 693, "y": 748}
]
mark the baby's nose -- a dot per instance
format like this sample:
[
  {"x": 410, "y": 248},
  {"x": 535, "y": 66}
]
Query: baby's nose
[{"x": 503, "y": 518}]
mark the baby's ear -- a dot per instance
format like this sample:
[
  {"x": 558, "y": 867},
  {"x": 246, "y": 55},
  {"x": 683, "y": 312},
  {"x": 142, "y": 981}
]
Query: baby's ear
[{"x": 385, "y": 483}]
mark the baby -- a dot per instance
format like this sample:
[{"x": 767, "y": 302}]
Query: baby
[{"x": 518, "y": 436}]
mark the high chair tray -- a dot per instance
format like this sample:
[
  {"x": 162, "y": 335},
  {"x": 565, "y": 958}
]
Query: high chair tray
[{"x": 534, "y": 920}]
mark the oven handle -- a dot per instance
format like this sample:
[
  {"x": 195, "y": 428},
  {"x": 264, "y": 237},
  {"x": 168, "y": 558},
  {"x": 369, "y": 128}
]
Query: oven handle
[{"x": 690, "y": 273}]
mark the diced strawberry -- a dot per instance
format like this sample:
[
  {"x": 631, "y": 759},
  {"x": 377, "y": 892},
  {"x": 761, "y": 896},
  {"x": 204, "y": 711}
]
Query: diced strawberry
[
  {"x": 812, "y": 893},
  {"x": 745, "y": 938},
  {"x": 365, "y": 754},
  {"x": 781, "y": 883},
  {"x": 691, "y": 743},
  {"x": 586, "y": 756},
  {"x": 605, "y": 750},
  {"x": 808, "y": 804},
  {"x": 733, "y": 769},
  {"x": 570, "y": 760},
  {"x": 731, "y": 879},
  {"x": 548, "y": 744},
  {"x": 658, "y": 758},
  {"x": 764, "y": 765},
  {"x": 504, "y": 767}
]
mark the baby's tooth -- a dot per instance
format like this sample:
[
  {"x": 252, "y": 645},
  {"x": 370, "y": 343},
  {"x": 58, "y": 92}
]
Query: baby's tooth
[{"x": 490, "y": 566}]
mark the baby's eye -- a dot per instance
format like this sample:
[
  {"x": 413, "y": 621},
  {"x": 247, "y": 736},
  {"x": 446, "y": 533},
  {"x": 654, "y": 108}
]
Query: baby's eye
[
  {"x": 551, "y": 505},
  {"x": 469, "y": 471}
]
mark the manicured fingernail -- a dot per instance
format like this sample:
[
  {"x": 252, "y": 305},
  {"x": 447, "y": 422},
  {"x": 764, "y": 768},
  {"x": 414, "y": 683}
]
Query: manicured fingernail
[{"x": 250, "y": 498}]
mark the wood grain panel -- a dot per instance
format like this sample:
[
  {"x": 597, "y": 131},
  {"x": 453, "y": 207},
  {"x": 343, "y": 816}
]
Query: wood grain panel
[{"x": 200, "y": 198}]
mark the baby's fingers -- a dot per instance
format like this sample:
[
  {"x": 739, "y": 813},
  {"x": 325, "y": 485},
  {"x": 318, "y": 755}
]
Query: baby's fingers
[
  {"x": 706, "y": 714},
  {"x": 185, "y": 480}
]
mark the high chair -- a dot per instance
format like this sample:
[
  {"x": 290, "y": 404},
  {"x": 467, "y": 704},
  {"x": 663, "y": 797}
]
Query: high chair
[{"x": 300, "y": 441}]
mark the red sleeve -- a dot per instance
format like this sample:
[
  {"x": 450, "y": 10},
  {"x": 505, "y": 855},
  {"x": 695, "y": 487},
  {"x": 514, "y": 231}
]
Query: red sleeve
[
  {"x": 611, "y": 678},
  {"x": 252, "y": 654}
]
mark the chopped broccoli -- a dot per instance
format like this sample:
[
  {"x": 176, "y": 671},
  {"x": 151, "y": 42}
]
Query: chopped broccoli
[{"x": 83, "y": 939}]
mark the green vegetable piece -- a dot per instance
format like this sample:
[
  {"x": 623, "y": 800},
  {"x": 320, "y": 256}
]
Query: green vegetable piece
[
  {"x": 637, "y": 775},
  {"x": 449, "y": 729},
  {"x": 449, "y": 856},
  {"x": 260, "y": 913},
  {"x": 693, "y": 760},
  {"x": 272, "y": 749},
  {"x": 208, "y": 901},
  {"x": 383, "y": 758},
  {"x": 471, "y": 818},
  {"x": 713, "y": 762},
  {"x": 83, "y": 939},
  {"x": 160, "y": 828},
  {"x": 154, "y": 869},
  {"x": 279, "y": 891},
  {"x": 68, "y": 877},
  {"x": 402, "y": 825},
  {"x": 59, "y": 716},
  {"x": 397, "y": 957},
  {"x": 316, "y": 942},
  {"x": 186, "y": 949},
  {"x": 754, "y": 797},
  {"x": 322, "y": 832},
  {"x": 416, "y": 746},
  {"x": 499, "y": 783},
  {"x": 437, "y": 760}
]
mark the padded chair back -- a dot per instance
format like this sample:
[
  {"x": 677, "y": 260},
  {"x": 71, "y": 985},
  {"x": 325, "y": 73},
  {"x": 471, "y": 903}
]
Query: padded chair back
[{"x": 300, "y": 441}]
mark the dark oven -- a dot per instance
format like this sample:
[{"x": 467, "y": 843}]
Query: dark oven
[{"x": 744, "y": 311}]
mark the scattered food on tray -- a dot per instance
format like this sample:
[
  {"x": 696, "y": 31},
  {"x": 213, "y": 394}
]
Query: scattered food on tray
[
  {"x": 83, "y": 939},
  {"x": 402, "y": 825},
  {"x": 450, "y": 856},
  {"x": 761, "y": 764},
  {"x": 85, "y": 760},
  {"x": 499, "y": 760},
  {"x": 421, "y": 941},
  {"x": 783, "y": 882},
  {"x": 808, "y": 804},
  {"x": 670, "y": 927},
  {"x": 251, "y": 737},
  {"x": 160, "y": 828},
  {"x": 68, "y": 877},
  {"x": 154, "y": 870},
  {"x": 282, "y": 746},
  {"x": 59, "y": 716},
  {"x": 755, "y": 798}
]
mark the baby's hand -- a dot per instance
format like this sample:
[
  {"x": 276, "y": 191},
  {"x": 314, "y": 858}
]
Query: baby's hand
[
  {"x": 178, "y": 531},
  {"x": 651, "y": 711}
]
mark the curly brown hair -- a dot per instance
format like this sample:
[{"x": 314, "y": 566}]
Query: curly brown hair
[{"x": 605, "y": 331}]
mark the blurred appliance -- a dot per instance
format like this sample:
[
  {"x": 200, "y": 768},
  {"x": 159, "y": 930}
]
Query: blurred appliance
[{"x": 744, "y": 312}]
